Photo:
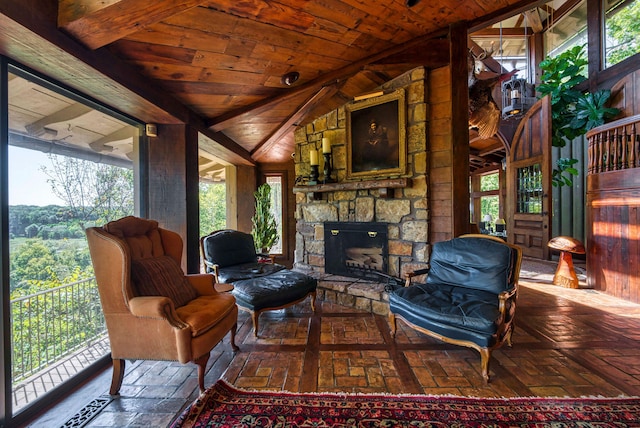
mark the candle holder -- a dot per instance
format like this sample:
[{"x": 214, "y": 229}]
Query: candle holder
[
  {"x": 313, "y": 176},
  {"x": 327, "y": 168}
]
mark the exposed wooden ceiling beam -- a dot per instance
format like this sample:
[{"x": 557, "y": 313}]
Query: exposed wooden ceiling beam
[
  {"x": 96, "y": 23},
  {"x": 224, "y": 148},
  {"x": 102, "y": 145},
  {"x": 502, "y": 14},
  {"x": 497, "y": 147},
  {"x": 533, "y": 18},
  {"x": 54, "y": 148},
  {"x": 433, "y": 53},
  {"x": 286, "y": 126},
  {"x": 223, "y": 121},
  {"x": 65, "y": 115},
  {"x": 506, "y": 33},
  {"x": 490, "y": 62}
]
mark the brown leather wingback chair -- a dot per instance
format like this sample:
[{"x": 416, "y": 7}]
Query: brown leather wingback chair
[{"x": 152, "y": 327}]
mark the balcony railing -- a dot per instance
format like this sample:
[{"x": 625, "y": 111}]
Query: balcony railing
[
  {"x": 55, "y": 334},
  {"x": 615, "y": 146}
]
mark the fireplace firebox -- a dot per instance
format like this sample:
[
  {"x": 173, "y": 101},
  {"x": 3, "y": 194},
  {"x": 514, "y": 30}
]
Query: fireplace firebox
[{"x": 355, "y": 249}]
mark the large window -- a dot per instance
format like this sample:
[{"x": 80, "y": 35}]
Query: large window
[
  {"x": 485, "y": 201},
  {"x": 622, "y": 30},
  {"x": 566, "y": 32},
  {"x": 213, "y": 207},
  {"x": 70, "y": 166},
  {"x": 490, "y": 201},
  {"x": 275, "y": 182}
]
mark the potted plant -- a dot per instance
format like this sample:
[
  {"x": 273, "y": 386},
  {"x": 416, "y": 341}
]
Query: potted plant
[
  {"x": 264, "y": 230},
  {"x": 573, "y": 112}
]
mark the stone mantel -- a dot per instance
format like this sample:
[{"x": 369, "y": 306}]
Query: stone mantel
[{"x": 383, "y": 185}]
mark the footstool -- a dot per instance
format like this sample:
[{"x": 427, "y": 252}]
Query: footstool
[
  {"x": 274, "y": 291},
  {"x": 257, "y": 286}
]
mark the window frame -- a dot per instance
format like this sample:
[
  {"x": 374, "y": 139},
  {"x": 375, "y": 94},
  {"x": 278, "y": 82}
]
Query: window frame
[{"x": 8, "y": 66}]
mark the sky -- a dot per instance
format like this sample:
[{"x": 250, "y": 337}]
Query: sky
[{"x": 27, "y": 184}]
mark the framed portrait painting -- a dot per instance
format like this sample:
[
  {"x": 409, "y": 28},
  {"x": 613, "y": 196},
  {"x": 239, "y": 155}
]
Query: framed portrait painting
[{"x": 376, "y": 136}]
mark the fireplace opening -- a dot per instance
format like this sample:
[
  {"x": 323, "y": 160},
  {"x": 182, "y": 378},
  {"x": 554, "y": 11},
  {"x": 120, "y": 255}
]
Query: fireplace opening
[{"x": 357, "y": 250}]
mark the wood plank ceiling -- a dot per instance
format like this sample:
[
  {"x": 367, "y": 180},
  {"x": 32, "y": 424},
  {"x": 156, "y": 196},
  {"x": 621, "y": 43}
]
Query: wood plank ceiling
[{"x": 225, "y": 59}]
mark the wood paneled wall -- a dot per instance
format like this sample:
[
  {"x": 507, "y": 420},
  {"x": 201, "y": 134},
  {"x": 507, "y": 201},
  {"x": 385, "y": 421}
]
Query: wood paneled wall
[
  {"x": 440, "y": 155},
  {"x": 613, "y": 235},
  {"x": 613, "y": 212}
]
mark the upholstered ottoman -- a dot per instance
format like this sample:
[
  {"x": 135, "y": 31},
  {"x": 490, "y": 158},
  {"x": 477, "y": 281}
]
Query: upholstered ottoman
[
  {"x": 257, "y": 286},
  {"x": 274, "y": 291}
]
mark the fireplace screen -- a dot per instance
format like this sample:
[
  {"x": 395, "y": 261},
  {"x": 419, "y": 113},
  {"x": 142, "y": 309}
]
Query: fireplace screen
[{"x": 356, "y": 249}]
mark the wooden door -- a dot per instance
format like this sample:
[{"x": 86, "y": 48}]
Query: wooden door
[{"x": 529, "y": 182}]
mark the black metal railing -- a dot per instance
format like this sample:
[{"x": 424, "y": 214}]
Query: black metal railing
[{"x": 51, "y": 327}]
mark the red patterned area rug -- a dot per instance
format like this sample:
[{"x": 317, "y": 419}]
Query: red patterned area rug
[{"x": 223, "y": 405}]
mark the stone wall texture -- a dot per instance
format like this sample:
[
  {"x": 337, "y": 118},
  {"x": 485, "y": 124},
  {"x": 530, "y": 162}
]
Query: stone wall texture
[{"x": 405, "y": 210}]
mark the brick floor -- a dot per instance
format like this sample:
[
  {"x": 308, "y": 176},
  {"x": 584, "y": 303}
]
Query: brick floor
[{"x": 567, "y": 342}]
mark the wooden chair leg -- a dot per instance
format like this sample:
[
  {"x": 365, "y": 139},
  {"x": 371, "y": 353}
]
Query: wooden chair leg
[
  {"x": 234, "y": 330},
  {"x": 313, "y": 301},
  {"x": 392, "y": 324},
  {"x": 202, "y": 368},
  {"x": 117, "y": 377},
  {"x": 254, "y": 317},
  {"x": 509, "y": 337},
  {"x": 485, "y": 355}
]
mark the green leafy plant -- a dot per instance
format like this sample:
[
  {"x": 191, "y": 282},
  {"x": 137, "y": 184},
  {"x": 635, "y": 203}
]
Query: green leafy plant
[
  {"x": 564, "y": 165},
  {"x": 560, "y": 76},
  {"x": 591, "y": 110},
  {"x": 265, "y": 230},
  {"x": 573, "y": 112}
]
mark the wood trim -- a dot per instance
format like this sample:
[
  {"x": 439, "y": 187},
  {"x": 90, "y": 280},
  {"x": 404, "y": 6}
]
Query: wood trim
[{"x": 459, "y": 128}]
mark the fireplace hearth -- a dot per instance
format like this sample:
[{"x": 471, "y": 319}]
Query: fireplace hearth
[{"x": 358, "y": 250}]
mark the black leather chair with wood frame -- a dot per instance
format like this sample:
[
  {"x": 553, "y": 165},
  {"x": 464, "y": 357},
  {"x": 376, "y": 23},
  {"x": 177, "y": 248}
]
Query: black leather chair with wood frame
[{"x": 469, "y": 297}]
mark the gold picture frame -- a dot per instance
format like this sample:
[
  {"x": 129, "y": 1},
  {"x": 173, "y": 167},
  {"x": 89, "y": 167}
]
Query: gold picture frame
[{"x": 376, "y": 136}]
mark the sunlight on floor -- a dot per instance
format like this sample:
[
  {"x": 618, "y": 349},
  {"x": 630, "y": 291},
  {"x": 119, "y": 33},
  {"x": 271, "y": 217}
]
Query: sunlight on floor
[{"x": 538, "y": 275}]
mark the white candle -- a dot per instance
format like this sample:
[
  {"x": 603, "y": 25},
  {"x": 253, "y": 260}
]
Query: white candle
[
  {"x": 326, "y": 145},
  {"x": 313, "y": 157}
]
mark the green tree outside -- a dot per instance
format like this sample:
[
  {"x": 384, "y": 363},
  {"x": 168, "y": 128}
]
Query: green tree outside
[
  {"x": 623, "y": 33},
  {"x": 490, "y": 204},
  {"x": 213, "y": 207},
  {"x": 95, "y": 193}
]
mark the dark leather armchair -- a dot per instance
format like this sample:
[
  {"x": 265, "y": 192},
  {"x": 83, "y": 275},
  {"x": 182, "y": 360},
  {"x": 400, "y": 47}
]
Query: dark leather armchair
[
  {"x": 258, "y": 284},
  {"x": 469, "y": 298}
]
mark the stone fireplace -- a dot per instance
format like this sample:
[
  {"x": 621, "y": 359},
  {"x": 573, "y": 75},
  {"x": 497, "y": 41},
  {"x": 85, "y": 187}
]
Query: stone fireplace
[
  {"x": 393, "y": 208},
  {"x": 358, "y": 250}
]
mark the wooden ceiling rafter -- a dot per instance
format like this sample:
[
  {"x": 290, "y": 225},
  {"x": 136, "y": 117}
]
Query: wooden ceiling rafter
[
  {"x": 535, "y": 20},
  {"x": 486, "y": 21},
  {"x": 507, "y": 33},
  {"x": 496, "y": 147},
  {"x": 291, "y": 121},
  {"x": 223, "y": 60},
  {"x": 97, "y": 23},
  {"x": 234, "y": 116}
]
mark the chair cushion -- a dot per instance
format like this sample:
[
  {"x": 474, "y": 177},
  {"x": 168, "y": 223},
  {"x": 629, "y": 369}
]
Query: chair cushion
[
  {"x": 161, "y": 276},
  {"x": 229, "y": 247},
  {"x": 205, "y": 312},
  {"x": 141, "y": 235},
  {"x": 476, "y": 263},
  {"x": 458, "y": 306},
  {"x": 273, "y": 291},
  {"x": 247, "y": 270}
]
